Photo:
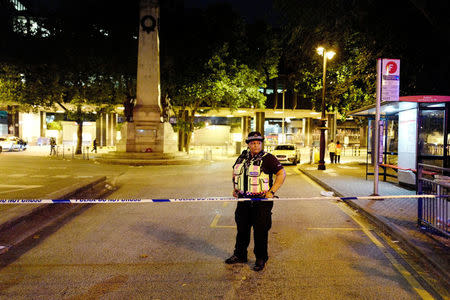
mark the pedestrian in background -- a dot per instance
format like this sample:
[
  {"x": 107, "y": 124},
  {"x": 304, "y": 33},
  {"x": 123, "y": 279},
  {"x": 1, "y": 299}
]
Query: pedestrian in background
[
  {"x": 52, "y": 146},
  {"x": 253, "y": 178},
  {"x": 337, "y": 157},
  {"x": 94, "y": 146},
  {"x": 332, "y": 150}
]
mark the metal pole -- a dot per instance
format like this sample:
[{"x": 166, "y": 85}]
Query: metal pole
[
  {"x": 377, "y": 130},
  {"x": 321, "y": 165},
  {"x": 283, "y": 136}
]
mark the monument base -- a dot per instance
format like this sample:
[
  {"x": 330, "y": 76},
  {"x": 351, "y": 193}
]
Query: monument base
[{"x": 148, "y": 137}]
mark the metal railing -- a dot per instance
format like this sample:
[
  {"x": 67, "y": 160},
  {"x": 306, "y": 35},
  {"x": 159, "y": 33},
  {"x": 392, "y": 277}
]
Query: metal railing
[
  {"x": 68, "y": 152},
  {"x": 433, "y": 213}
]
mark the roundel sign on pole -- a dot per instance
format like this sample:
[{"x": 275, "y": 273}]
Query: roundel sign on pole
[{"x": 390, "y": 79}]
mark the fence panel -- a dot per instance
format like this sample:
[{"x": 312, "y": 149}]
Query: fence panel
[{"x": 433, "y": 213}]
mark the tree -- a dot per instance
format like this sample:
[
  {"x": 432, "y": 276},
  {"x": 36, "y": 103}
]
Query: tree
[
  {"x": 224, "y": 83},
  {"x": 86, "y": 66},
  {"x": 360, "y": 32},
  {"x": 223, "y": 62}
]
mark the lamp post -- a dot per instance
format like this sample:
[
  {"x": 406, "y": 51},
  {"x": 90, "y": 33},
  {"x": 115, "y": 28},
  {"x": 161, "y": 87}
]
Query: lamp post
[
  {"x": 283, "y": 135},
  {"x": 326, "y": 55}
]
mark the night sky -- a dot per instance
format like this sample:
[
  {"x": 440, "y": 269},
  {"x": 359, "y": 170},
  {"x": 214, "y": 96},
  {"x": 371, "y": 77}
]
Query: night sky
[{"x": 249, "y": 9}]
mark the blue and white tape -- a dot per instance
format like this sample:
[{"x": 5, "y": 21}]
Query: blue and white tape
[{"x": 209, "y": 199}]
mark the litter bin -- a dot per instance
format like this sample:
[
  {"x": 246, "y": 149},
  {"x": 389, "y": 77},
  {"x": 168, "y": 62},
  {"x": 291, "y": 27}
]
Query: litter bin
[{"x": 314, "y": 156}]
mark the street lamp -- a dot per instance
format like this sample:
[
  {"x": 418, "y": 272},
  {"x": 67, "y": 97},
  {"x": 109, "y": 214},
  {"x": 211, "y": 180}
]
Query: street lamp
[
  {"x": 283, "y": 135},
  {"x": 326, "y": 55}
]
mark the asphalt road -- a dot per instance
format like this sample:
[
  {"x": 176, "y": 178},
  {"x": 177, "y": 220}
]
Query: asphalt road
[{"x": 318, "y": 249}]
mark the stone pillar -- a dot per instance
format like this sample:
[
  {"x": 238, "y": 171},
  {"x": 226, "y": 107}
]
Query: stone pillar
[
  {"x": 309, "y": 132},
  {"x": 43, "y": 123},
  {"x": 110, "y": 129},
  {"x": 331, "y": 120},
  {"x": 259, "y": 121},
  {"x": 363, "y": 136},
  {"x": 100, "y": 130},
  {"x": 147, "y": 130},
  {"x": 113, "y": 129},
  {"x": 304, "y": 131},
  {"x": 245, "y": 125}
]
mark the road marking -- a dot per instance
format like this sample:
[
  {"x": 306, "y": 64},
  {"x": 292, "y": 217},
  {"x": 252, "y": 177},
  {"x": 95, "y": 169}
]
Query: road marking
[
  {"x": 335, "y": 228},
  {"x": 425, "y": 276},
  {"x": 216, "y": 220},
  {"x": 14, "y": 188},
  {"x": 84, "y": 176},
  {"x": 61, "y": 176},
  {"x": 17, "y": 175},
  {"x": 420, "y": 290},
  {"x": 38, "y": 176}
]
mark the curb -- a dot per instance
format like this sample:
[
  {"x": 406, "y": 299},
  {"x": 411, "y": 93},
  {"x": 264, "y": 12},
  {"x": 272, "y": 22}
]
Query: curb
[
  {"x": 19, "y": 229},
  {"x": 388, "y": 227}
]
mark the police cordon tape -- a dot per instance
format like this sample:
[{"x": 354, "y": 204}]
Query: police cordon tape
[{"x": 209, "y": 199}]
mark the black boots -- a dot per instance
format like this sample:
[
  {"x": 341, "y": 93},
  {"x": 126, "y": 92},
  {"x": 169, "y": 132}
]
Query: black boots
[
  {"x": 259, "y": 265},
  {"x": 235, "y": 260}
]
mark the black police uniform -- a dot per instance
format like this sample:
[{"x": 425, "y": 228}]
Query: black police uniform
[{"x": 255, "y": 213}]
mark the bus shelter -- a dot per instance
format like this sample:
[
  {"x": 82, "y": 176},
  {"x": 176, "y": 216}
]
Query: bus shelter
[{"x": 414, "y": 130}]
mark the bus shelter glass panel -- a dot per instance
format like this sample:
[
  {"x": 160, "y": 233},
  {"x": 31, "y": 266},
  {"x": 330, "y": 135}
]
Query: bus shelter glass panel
[{"x": 431, "y": 133}]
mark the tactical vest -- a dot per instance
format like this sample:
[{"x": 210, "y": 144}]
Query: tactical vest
[{"x": 257, "y": 180}]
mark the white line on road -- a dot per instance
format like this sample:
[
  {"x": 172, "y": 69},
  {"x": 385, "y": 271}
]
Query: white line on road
[
  {"x": 17, "y": 175},
  {"x": 14, "y": 188}
]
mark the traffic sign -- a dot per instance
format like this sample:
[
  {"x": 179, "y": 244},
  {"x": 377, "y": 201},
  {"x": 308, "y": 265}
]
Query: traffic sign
[{"x": 390, "y": 79}]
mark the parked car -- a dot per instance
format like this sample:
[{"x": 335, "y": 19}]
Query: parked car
[
  {"x": 12, "y": 143},
  {"x": 287, "y": 153}
]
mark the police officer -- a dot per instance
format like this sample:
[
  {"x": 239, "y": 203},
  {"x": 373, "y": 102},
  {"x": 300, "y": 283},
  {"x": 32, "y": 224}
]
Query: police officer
[{"x": 253, "y": 178}]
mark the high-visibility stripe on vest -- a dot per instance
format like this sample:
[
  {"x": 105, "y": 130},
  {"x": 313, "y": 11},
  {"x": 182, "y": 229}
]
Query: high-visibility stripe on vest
[{"x": 257, "y": 180}]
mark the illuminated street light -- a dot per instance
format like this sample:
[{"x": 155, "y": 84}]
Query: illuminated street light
[{"x": 326, "y": 55}]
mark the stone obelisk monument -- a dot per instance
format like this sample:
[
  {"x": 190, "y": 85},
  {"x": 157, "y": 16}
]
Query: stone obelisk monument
[{"x": 147, "y": 132}]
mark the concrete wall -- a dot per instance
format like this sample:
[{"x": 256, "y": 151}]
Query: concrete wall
[
  {"x": 69, "y": 133},
  {"x": 30, "y": 127},
  {"x": 214, "y": 135}
]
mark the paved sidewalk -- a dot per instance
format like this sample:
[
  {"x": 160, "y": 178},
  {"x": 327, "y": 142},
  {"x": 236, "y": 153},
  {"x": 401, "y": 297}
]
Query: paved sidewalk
[{"x": 397, "y": 216}]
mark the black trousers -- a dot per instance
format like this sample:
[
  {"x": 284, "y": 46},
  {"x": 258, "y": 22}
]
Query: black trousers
[{"x": 256, "y": 214}]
